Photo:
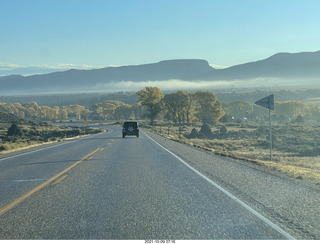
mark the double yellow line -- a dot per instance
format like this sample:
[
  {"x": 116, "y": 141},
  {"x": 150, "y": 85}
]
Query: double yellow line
[{"x": 34, "y": 190}]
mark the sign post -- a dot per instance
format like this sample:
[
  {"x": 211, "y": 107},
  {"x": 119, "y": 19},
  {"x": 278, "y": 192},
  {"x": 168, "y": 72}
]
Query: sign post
[
  {"x": 84, "y": 128},
  {"x": 268, "y": 102}
]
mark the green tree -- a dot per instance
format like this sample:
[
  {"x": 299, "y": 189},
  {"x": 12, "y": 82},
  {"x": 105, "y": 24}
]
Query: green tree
[
  {"x": 178, "y": 106},
  {"x": 151, "y": 97},
  {"x": 209, "y": 109}
]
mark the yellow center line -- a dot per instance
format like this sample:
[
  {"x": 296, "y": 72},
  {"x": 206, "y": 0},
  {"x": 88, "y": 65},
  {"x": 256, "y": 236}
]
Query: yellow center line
[
  {"x": 59, "y": 179},
  {"x": 34, "y": 190}
]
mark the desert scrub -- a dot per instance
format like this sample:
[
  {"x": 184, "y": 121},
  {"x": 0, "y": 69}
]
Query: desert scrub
[
  {"x": 22, "y": 136},
  {"x": 296, "y": 146}
]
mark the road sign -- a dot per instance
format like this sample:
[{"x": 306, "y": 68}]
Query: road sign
[
  {"x": 84, "y": 122},
  {"x": 267, "y": 102}
]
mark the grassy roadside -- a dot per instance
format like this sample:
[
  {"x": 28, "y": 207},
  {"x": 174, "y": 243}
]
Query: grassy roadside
[
  {"x": 296, "y": 149},
  {"x": 39, "y": 134}
]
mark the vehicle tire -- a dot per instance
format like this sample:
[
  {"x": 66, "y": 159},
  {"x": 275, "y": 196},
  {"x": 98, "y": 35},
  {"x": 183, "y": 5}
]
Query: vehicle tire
[
  {"x": 138, "y": 135},
  {"x": 123, "y": 135}
]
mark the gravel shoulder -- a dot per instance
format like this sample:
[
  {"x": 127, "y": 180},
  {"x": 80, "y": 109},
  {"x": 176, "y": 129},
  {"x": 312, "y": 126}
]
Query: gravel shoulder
[{"x": 290, "y": 203}]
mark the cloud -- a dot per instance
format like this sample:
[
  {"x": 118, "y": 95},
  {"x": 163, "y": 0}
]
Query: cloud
[
  {"x": 4, "y": 66},
  {"x": 163, "y": 85},
  {"x": 9, "y": 69},
  {"x": 67, "y": 66}
]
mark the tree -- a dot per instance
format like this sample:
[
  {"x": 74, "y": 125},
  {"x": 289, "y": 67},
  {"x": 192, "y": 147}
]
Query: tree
[
  {"x": 209, "y": 108},
  {"x": 239, "y": 109},
  {"x": 312, "y": 112},
  {"x": 63, "y": 114},
  {"x": 108, "y": 109},
  {"x": 32, "y": 109},
  {"x": 178, "y": 106},
  {"x": 123, "y": 112},
  {"x": 151, "y": 97},
  {"x": 137, "y": 111},
  {"x": 289, "y": 108},
  {"x": 75, "y": 110}
]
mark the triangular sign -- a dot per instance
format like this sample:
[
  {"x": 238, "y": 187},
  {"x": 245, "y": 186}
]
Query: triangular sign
[{"x": 267, "y": 102}]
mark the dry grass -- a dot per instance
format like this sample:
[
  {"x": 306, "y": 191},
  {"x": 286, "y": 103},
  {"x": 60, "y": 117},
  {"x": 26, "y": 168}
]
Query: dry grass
[
  {"x": 35, "y": 135},
  {"x": 290, "y": 156}
]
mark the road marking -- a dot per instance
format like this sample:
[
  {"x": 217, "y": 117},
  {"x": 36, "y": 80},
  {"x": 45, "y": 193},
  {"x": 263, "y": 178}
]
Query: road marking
[
  {"x": 251, "y": 210},
  {"x": 29, "y": 180},
  {"x": 34, "y": 190},
  {"x": 59, "y": 179}
]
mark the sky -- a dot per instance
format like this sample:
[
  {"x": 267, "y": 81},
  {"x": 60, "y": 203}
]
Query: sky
[{"x": 42, "y": 35}]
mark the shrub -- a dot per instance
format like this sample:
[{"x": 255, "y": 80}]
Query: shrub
[
  {"x": 261, "y": 131},
  {"x": 14, "y": 130},
  {"x": 3, "y": 147},
  {"x": 193, "y": 134},
  {"x": 223, "y": 130},
  {"x": 205, "y": 131},
  {"x": 299, "y": 119}
]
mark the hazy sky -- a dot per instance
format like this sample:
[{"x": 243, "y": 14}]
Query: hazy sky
[{"x": 99, "y": 33}]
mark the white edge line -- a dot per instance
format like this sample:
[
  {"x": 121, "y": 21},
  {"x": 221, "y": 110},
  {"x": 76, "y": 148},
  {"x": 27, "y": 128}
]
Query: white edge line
[{"x": 251, "y": 210}]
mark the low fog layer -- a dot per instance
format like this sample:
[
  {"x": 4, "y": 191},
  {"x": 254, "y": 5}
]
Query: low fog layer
[
  {"x": 133, "y": 86},
  {"x": 192, "y": 85}
]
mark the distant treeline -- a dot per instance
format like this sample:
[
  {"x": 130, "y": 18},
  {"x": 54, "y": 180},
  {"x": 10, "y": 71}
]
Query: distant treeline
[
  {"x": 224, "y": 95},
  {"x": 178, "y": 107},
  {"x": 60, "y": 100}
]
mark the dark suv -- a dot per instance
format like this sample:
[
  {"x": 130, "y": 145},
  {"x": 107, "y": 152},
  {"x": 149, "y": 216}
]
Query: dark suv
[{"x": 130, "y": 128}]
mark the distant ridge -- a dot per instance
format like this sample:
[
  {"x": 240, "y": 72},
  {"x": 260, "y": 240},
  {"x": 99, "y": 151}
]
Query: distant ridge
[
  {"x": 73, "y": 79},
  {"x": 10, "y": 77},
  {"x": 280, "y": 65},
  {"x": 305, "y": 65}
]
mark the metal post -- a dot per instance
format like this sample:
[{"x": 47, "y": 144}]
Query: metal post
[{"x": 270, "y": 130}]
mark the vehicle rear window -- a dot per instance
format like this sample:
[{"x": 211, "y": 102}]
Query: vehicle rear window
[{"x": 134, "y": 124}]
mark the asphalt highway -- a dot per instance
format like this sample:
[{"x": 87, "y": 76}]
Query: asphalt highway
[{"x": 147, "y": 188}]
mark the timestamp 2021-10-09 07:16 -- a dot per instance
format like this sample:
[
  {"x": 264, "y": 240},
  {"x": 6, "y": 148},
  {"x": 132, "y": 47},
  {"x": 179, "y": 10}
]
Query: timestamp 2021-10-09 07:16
[{"x": 160, "y": 242}]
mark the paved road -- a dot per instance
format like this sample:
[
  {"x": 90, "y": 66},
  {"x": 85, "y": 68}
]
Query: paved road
[{"x": 106, "y": 187}]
